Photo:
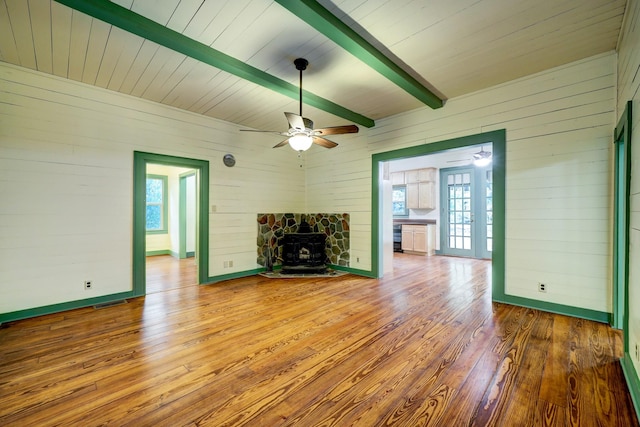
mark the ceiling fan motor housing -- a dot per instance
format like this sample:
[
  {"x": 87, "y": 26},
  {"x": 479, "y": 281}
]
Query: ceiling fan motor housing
[{"x": 301, "y": 63}]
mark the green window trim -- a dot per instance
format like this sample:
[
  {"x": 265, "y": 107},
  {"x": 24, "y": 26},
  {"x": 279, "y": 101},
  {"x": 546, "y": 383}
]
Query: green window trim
[{"x": 163, "y": 204}]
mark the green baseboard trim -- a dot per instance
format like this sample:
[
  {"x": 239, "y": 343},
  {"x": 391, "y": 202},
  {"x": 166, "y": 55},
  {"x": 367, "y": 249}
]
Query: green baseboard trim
[
  {"x": 215, "y": 279},
  {"x": 633, "y": 381},
  {"x": 160, "y": 252},
  {"x": 356, "y": 271},
  {"x": 64, "y": 306},
  {"x": 583, "y": 313},
  {"x": 190, "y": 254}
]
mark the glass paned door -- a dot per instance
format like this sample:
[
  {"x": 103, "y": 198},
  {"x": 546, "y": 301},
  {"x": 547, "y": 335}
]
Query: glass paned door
[
  {"x": 459, "y": 203},
  {"x": 489, "y": 213},
  {"x": 466, "y": 212}
]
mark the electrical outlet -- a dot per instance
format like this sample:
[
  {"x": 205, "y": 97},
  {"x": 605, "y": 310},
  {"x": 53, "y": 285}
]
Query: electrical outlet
[
  {"x": 226, "y": 264},
  {"x": 231, "y": 263},
  {"x": 88, "y": 284},
  {"x": 542, "y": 287},
  {"x": 357, "y": 259}
]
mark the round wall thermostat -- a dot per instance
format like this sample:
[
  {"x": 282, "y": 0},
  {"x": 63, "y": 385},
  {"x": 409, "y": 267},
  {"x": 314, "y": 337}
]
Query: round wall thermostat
[{"x": 229, "y": 160}]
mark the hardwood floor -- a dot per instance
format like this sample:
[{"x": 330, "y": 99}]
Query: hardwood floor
[
  {"x": 165, "y": 272},
  {"x": 423, "y": 346}
]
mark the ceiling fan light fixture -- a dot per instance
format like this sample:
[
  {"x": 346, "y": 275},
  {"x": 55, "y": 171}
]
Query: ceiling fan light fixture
[
  {"x": 482, "y": 161},
  {"x": 482, "y": 158},
  {"x": 300, "y": 142}
]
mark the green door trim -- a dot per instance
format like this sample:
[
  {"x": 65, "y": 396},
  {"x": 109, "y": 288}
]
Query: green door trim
[
  {"x": 140, "y": 161},
  {"x": 622, "y": 206},
  {"x": 622, "y": 193},
  {"x": 498, "y": 138},
  {"x": 498, "y": 292}
]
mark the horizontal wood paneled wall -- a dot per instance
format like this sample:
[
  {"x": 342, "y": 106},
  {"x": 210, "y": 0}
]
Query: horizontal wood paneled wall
[
  {"x": 629, "y": 90},
  {"x": 559, "y": 127},
  {"x": 66, "y": 170}
]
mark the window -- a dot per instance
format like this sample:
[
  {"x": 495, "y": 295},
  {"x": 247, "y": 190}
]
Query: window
[
  {"x": 156, "y": 197},
  {"x": 399, "y": 199}
]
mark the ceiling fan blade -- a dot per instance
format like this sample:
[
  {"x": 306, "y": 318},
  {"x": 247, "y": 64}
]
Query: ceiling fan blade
[
  {"x": 275, "y": 132},
  {"x": 282, "y": 144},
  {"x": 324, "y": 142},
  {"x": 336, "y": 130},
  {"x": 295, "y": 121}
]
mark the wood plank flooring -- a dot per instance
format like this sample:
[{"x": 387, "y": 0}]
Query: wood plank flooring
[
  {"x": 165, "y": 272},
  {"x": 423, "y": 346}
]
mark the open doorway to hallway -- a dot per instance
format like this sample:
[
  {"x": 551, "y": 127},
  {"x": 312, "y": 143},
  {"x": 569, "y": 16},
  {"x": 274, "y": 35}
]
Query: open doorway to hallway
[
  {"x": 141, "y": 247},
  {"x": 171, "y": 227}
]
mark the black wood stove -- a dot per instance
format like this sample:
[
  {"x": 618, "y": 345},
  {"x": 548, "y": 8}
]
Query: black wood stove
[{"x": 304, "y": 251}]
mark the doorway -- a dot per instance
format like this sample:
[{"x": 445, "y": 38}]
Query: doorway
[
  {"x": 382, "y": 231},
  {"x": 171, "y": 228},
  {"x": 466, "y": 220},
  {"x": 200, "y": 168}
]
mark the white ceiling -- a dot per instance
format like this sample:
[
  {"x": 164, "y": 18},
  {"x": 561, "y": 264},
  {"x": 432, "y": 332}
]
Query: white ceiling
[{"x": 452, "y": 46}]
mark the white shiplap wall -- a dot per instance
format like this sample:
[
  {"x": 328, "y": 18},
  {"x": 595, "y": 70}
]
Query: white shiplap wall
[
  {"x": 66, "y": 171},
  {"x": 559, "y": 130},
  {"x": 66, "y": 168},
  {"x": 629, "y": 90}
]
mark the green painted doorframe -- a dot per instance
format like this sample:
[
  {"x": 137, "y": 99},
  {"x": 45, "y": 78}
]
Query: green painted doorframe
[
  {"x": 498, "y": 261},
  {"x": 140, "y": 161},
  {"x": 498, "y": 138},
  {"x": 622, "y": 188}
]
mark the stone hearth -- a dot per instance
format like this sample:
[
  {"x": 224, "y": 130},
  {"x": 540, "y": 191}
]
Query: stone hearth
[{"x": 273, "y": 226}]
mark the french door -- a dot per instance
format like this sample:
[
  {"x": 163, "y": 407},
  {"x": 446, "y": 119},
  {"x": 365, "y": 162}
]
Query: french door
[{"x": 466, "y": 208}]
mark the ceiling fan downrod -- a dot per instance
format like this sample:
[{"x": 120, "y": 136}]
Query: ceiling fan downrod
[{"x": 301, "y": 65}]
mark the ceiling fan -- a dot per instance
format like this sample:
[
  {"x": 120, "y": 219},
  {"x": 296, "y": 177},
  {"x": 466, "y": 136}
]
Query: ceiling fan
[
  {"x": 481, "y": 158},
  {"x": 301, "y": 134}
]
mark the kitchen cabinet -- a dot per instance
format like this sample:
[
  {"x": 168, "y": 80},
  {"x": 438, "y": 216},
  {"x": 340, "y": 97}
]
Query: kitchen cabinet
[
  {"x": 420, "y": 175},
  {"x": 397, "y": 178},
  {"x": 421, "y": 188},
  {"x": 421, "y": 195},
  {"x": 418, "y": 239}
]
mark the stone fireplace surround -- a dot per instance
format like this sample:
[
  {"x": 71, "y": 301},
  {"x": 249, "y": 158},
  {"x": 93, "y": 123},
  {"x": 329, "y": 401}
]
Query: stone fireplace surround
[{"x": 273, "y": 226}]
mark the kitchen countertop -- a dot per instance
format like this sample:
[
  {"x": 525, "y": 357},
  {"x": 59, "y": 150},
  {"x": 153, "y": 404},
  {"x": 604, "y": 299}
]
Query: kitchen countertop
[{"x": 408, "y": 221}]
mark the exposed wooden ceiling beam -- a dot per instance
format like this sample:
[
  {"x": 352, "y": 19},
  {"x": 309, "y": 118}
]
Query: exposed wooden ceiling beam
[
  {"x": 328, "y": 24},
  {"x": 134, "y": 23}
]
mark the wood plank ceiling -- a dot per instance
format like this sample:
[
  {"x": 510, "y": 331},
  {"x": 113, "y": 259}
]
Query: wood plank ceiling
[{"x": 451, "y": 47}]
